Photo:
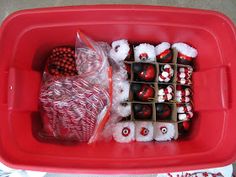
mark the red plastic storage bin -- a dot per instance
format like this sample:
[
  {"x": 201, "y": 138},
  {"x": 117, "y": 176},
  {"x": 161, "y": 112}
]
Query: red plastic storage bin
[{"x": 27, "y": 36}]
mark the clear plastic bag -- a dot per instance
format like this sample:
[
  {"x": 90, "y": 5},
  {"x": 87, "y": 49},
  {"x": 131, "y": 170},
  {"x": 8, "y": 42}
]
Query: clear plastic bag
[{"x": 76, "y": 108}]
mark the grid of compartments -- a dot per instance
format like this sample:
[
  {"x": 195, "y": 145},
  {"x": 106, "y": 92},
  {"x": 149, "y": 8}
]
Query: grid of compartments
[{"x": 155, "y": 102}]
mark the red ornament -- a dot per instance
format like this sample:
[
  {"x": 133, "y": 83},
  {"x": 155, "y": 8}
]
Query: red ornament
[
  {"x": 145, "y": 93},
  {"x": 165, "y": 57},
  {"x": 163, "y": 111},
  {"x": 186, "y": 125},
  {"x": 142, "y": 111},
  {"x": 145, "y": 72}
]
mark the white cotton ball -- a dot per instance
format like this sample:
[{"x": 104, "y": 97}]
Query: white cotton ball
[
  {"x": 123, "y": 109},
  {"x": 121, "y": 90},
  {"x": 164, "y": 131},
  {"x": 124, "y": 132},
  {"x": 143, "y": 131},
  {"x": 147, "y": 49},
  {"x": 120, "y": 50}
]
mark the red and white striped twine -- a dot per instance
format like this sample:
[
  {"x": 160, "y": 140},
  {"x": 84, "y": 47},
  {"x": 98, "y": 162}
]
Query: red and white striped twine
[{"x": 72, "y": 106}]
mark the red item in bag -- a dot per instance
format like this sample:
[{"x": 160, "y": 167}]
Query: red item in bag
[{"x": 76, "y": 108}]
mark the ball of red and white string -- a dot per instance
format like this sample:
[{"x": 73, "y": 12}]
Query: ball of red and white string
[{"x": 166, "y": 73}]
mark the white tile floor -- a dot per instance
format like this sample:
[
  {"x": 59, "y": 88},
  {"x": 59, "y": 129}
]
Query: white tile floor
[{"x": 226, "y": 6}]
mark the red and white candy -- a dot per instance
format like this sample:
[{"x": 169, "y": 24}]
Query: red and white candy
[
  {"x": 186, "y": 70},
  {"x": 144, "y": 131},
  {"x": 71, "y": 107},
  {"x": 124, "y": 132},
  {"x": 184, "y": 108},
  {"x": 163, "y": 98},
  {"x": 144, "y": 53},
  {"x": 166, "y": 74},
  {"x": 185, "y": 116},
  {"x": 184, "y": 81},
  {"x": 183, "y": 75},
  {"x": 182, "y": 99},
  {"x": 183, "y": 92},
  {"x": 164, "y": 91}
]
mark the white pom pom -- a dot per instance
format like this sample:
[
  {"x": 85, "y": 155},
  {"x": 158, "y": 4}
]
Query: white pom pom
[
  {"x": 160, "y": 48},
  {"x": 124, "y": 132},
  {"x": 144, "y": 131},
  {"x": 164, "y": 131},
  {"x": 144, "y": 49},
  {"x": 120, "y": 50},
  {"x": 185, "y": 49},
  {"x": 123, "y": 109},
  {"x": 121, "y": 90}
]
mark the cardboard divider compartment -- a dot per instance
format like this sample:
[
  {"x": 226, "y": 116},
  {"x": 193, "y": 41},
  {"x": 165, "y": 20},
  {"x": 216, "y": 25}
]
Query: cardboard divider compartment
[
  {"x": 143, "y": 111},
  {"x": 160, "y": 112},
  {"x": 162, "y": 73}
]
